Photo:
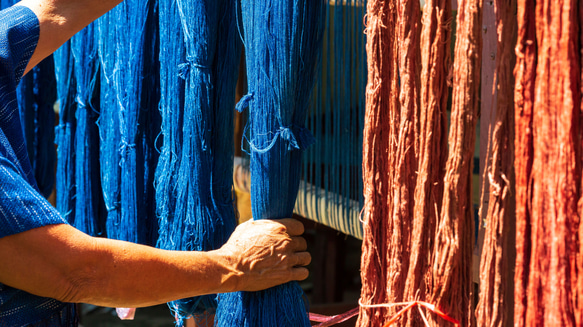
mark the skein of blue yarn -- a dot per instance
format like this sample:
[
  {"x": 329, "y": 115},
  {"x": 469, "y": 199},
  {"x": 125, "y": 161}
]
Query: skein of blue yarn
[
  {"x": 194, "y": 177},
  {"x": 283, "y": 41}
]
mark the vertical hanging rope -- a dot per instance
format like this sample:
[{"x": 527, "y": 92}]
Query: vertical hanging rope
[
  {"x": 65, "y": 131},
  {"x": 86, "y": 145},
  {"x": 283, "y": 48},
  {"x": 496, "y": 290},
  {"x": 432, "y": 150},
  {"x": 194, "y": 178},
  {"x": 553, "y": 184},
  {"x": 451, "y": 263}
]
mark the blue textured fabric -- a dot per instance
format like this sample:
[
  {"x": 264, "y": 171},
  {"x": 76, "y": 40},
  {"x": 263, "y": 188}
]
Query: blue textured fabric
[
  {"x": 200, "y": 51},
  {"x": 22, "y": 207},
  {"x": 36, "y": 111},
  {"x": 36, "y": 95},
  {"x": 283, "y": 42}
]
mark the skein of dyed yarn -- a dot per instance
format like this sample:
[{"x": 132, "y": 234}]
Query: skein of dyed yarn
[
  {"x": 451, "y": 286},
  {"x": 194, "y": 178},
  {"x": 283, "y": 43},
  {"x": 108, "y": 123},
  {"x": 128, "y": 63},
  {"x": 130, "y": 122},
  {"x": 88, "y": 197},
  {"x": 435, "y": 62},
  {"x": 548, "y": 164},
  {"x": 378, "y": 154},
  {"x": 65, "y": 131}
]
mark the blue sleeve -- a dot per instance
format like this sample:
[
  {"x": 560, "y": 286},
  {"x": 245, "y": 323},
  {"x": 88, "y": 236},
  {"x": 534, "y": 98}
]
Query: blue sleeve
[
  {"x": 19, "y": 32},
  {"x": 21, "y": 206}
]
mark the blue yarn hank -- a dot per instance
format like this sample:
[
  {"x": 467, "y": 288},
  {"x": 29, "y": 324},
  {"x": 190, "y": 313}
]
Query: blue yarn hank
[
  {"x": 199, "y": 57},
  {"x": 283, "y": 41}
]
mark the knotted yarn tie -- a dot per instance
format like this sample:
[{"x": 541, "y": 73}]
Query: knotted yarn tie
[
  {"x": 333, "y": 320},
  {"x": 244, "y": 102},
  {"x": 191, "y": 63},
  {"x": 296, "y": 137},
  {"x": 124, "y": 148},
  {"x": 80, "y": 101}
]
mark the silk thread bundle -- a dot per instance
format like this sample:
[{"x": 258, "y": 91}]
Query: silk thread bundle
[
  {"x": 198, "y": 140},
  {"x": 525, "y": 72},
  {"x": 65, "y": 131},
  {"x": 393, "y": 93},
  {"x": 439, "y": 269},
  {"x": 135, "y": 100},
  {"x": 496, "y": 290},
  {"x": 88, "y": 197},
  {"x": 451, "y": 287},
  {"x": 283, "y": 43},
  {"x": 406, "y": 112},
  {"x": 548, "y": 163},
  {"x": 128, "y": 46},
  {"x": 432, "y": 149},
  {"x": 172, "y": 54},
  {"x": 108, "y": 123},
  {"x": 375, "y": 158}
]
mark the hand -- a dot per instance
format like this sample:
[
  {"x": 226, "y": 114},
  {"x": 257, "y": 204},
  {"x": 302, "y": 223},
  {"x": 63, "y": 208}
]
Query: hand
[{"x": 266, "y": 253}]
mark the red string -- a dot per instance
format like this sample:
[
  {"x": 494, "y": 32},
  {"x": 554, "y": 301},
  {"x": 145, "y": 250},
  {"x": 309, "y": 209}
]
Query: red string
[
  {"x": 428, "y": 306},
  {"x": 333, "y": 320}
]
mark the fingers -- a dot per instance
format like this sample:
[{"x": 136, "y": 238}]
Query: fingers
[
  {"x": 298, "y": 244},
  {"x": 293, "y": 227},
  {"x": 302, "y": 259},
  {"x": 299, "y": 273}
]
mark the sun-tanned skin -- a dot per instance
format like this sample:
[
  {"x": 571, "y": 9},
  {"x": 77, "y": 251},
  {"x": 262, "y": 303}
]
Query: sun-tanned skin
[{"x": 61, "y": 262}]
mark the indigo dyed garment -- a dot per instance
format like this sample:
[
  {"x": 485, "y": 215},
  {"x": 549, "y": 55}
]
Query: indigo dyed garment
[{"x": 22, "y": 207}]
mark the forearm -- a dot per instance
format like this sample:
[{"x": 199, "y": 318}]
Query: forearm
[
  {"x": 135, "y": 276},
  {"x": 63, "y": 263},
  {"x": 61, "y": 19}
]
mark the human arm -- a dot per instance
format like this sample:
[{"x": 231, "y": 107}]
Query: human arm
[
  {"x": 61, "y": 262},
  {"x": 59, "y": 20}
]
